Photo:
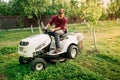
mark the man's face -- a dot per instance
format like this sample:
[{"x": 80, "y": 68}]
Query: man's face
[{"x": 60, "y": 16}]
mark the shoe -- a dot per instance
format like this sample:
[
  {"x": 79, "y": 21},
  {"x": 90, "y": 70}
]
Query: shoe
[{"x": 57, "y": 50}]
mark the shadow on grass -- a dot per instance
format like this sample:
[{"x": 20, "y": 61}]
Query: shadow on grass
[
  {"x": 92, "y": 51},
  {"x": 103, "y": 57},
  {"x": 108, "y": 59}
]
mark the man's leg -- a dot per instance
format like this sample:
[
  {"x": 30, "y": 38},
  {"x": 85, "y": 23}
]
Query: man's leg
[
  {"x": 57, "y": 39},
  {"x": 60, "y": 32}
]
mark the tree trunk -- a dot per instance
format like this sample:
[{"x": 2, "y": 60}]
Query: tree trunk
[
  {"x": 39, "y": 19},
  {"x": 39, "y": 22},
  {"x": 94, "y": 38},
  {"x": 39, "y": 25}
]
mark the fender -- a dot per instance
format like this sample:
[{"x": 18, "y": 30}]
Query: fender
[{"x": 67, "y": 42}]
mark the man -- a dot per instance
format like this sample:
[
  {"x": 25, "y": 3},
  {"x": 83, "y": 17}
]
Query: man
[{"x": 60, "y": 27}]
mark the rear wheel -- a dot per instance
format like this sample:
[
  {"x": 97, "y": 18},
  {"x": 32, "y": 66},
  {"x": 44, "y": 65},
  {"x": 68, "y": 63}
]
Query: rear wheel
[
  {"x": 72, "y": 51},
  {"x": 38, "y": 64}
]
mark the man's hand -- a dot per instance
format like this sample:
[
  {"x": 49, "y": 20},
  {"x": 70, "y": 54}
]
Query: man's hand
[
  {"x": 52, "y": 30},
  {"x": 45, "y": 28}
]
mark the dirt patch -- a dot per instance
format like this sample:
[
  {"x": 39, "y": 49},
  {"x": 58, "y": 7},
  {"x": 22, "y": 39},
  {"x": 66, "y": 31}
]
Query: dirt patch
[
  {"x": 2, "y": 77},
  {"x": 10, "y": 55},
  {"x": 87, "y": 64}
]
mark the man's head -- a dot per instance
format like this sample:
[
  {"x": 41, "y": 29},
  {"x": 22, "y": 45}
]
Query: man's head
[{"x": 60, "y": 13}]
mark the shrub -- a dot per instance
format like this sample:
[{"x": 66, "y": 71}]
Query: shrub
[{"x": 8, "y": 50}]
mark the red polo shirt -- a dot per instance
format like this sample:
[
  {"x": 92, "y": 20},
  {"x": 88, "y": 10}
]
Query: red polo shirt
[{"x": 59, "y": 23}]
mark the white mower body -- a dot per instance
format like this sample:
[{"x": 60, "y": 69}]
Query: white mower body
[
  {"x": 29, "y": 46},
  {"x": 64, "y": 44},
  {"x": 38, "y": 49},
  {"x": 32, "y": 44}
]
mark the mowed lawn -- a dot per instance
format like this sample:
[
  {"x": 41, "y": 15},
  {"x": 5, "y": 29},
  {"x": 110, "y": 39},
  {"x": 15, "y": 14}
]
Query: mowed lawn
[{"x": 103, "y": 64}]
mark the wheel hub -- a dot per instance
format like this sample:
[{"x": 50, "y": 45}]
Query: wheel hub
[
  {"x": 39, "y": 66},
  {"x": 73, "y": 53}
]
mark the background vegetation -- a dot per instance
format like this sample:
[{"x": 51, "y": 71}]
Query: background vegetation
[
  {"x": 89, "y": 65},
  {"x": 90, "y": 10}
]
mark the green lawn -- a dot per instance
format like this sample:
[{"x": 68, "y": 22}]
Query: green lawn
[{"x": 89, "y": 65}]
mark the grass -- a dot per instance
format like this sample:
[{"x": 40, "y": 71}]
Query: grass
[{"x": 89, "y": 64}]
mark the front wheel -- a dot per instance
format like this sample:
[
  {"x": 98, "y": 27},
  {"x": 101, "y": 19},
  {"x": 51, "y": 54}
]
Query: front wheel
[
  {"x": 72, "y": 52},
  {"x": 38, "y": 64},
  {"x": 23, "y": 60}
]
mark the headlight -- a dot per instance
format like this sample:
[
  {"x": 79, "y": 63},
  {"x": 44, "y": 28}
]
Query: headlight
[{"x": 22, "y": 43}]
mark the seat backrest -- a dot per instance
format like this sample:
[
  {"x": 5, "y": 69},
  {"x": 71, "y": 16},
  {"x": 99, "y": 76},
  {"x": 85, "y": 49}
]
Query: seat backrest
[
  {"x": 66, "y": 30},
  {"x": 65, "y": 34}
]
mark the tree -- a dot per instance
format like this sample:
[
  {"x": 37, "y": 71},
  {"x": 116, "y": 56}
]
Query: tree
[
  {"x": 56, "y": 5},
  {"x": 16, "y": 7},
  {"x": 104, "y": 14},
  {"x": 36, "y": 8},
  {"x": 53, "y": 9},
  {"x": 91, "y": 10},
  {"x": 3, "y": 8},
  {"x": 74, "y": 9},
  {"x": 114, "y": 8}
]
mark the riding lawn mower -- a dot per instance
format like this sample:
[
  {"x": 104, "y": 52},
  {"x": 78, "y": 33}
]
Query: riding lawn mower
[{"x": 39, "y": 49}]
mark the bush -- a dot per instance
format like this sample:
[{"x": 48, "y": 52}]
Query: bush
[{"x": 8, "y": 50}]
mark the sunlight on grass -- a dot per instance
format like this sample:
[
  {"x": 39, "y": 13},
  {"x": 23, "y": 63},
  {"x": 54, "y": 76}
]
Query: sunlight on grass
[{"x": 89, "y": 65}]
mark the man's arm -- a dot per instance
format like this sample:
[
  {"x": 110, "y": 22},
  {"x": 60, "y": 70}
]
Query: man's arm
[
  {"x": 48, "y": 25},
  {"x": 55, "y": 29}
]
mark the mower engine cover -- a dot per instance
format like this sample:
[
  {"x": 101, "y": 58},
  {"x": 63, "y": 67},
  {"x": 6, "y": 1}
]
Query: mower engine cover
[{"x": 33, "y": 44}]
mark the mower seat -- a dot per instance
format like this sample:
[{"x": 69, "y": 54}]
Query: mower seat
[{"x": 64, "y": 36}]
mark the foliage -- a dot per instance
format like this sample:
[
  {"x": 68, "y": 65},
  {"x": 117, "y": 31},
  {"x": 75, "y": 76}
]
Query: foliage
[
  {"x": 91, "y": 10},
  {"x": 74, "y": 9},
  {"x": 104, "y": 14},
  {"x": 114, "y": 8},
  {"x": 3, "y": 8},
  {"x": 36, "y": 8},
  {"x": 16, "y": 7},
  {"x": 55, "y": 5},
  {"x": 8, "y": 50}
]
